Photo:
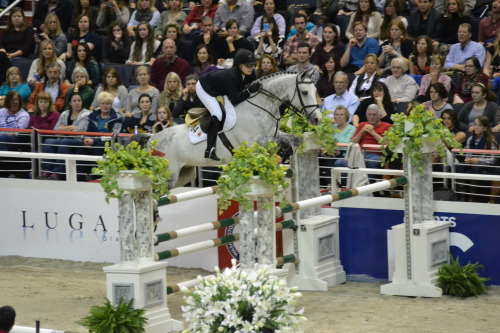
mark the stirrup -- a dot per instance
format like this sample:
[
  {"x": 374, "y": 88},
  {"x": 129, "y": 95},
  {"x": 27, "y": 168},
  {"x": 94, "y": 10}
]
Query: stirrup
[{"x": 210, "y": 153}]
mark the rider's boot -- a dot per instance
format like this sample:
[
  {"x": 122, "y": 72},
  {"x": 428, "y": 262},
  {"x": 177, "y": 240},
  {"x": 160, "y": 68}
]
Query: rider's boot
[{"x": 212, "y": 139}]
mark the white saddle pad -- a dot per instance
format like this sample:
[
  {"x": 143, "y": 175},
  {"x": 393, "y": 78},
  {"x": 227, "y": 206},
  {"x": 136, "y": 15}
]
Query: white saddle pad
[{"x": 196, "y": 135}]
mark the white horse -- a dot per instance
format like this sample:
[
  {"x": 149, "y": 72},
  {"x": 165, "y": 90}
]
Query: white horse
[{"x": 258, "y": 119}]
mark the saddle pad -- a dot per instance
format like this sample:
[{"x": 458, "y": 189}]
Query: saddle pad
[{"x": 196, "y": 135}]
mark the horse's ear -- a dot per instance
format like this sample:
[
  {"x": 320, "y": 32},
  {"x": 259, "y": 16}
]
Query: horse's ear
[{"x": 303, "y": 75}]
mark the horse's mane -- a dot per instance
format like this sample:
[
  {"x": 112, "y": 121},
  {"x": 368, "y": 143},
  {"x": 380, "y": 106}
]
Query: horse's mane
[{"x": 273, "y": 75}]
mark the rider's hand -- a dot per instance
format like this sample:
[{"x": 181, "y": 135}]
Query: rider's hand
[{"x": 254, "y": 87}]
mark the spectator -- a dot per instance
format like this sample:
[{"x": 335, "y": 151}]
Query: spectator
[
  {"x": 450, "y": 121},
  {"x": 51, "y": 31},
  {"x": 436, "y": 75},
  {"x": 438, "y": 99},
  {"x": 489, "y": 26},
  {"x": 83, "y": 59},
  {"x": 142, "y": 76},
  {"x": 341, "y": 96},
  {"x": 142, "y": 49},
  {"x": 454, "y": 16},
  {"x": 203, "y": 61},
  {"x": 473, "y": 74},
  {"x": 467, "y": 5},
  {"x": 188, "y": 100},
  {"x": 173, "y": 14},
  {"x": 357, "y": 49},
  {"x": 325, "y": 85},
  {"x": 482, "y": 104},
  {"x": 145, "y": 12},
  {"x": 143, "y": 121},
  {"x": 345, "y": 132},
  {"x": 14, "y": 82},
  {"x": 53, "y": 84},
  {"x": 269, "y": 10},
  {"x": 302, "y": 36},
  {"x": 12, "y": 115},
  {"x": 84, "y": 7},
  {"x": 74, "y": 119},
  {"x": 210, "y": 38},
  {"x": 17, "y": 40},
  {"x": 234, "y": 40},
  {"x": 172, "y": 91},
  {"x": 266, "y": 66},
  {"x": 173, "y": 31},
  {"x": 80, "y": 78},
  {"x": 117, "y": 44},
  {"x": 346, "y": 9},
  {"x": 82, "y": 34},
  {"x": 465, "y": 48},
  {"x": 379, "y": 95},
  {"x": 366, "y": 12},
  {"x": 111, "y": 11},
  {"x": 169, "y": 62},
  {"x": 329, "y": 46},
  {"x": 425, "y": 20},
  {"x": 44, "y": 117},
  {"x": 163, "y": 119},
  {"x": 112, "y": 83},
  {"x": 397, "y": 45},
  {"x": 47, "y": 56},
  {"x": 7, "y": 318},
  {"x": 269, "y": 40},
  {"x": 371, "y": 132},
  {"x": 191, "y": 26},
  {"x": 403, "y": 88},
  {"x": 311, "y": 27},
  {"x": 362, "y": 83},
  {"x": 392, "y": 11},
  {"x": 420, "y": 59},
  {"x": 63, "y": 9},
  {"x": 303, "y": 64},
  {"x": 238, "y": 10}
]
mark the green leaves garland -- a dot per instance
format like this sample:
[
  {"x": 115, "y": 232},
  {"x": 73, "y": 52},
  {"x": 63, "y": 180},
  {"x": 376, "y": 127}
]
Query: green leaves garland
[
  {"x": 325, "y": 131},
  {"x": 249, "y": 161},
  {"x": 132, "y": 157},
  {"x": 424, "y": 124}
]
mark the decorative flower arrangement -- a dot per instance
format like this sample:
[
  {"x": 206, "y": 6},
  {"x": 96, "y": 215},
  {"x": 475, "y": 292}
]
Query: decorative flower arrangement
[
  {"x": 238, "y": 301},
  {"x": 249, "y": 161},
  {"x": 413, "y": 131},
  {"x": 324, "y": 131},
  {"x": 132, "y": 157}
]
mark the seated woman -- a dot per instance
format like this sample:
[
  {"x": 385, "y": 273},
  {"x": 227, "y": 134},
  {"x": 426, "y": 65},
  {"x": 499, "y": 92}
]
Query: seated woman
[
  {"x": 74, "y": 119},
  {"x": 143, "y": 121},
  {"x": 83, "y": 59},
  {"x": 172, "y": 91},
  {"x": 330, "y": 46},
  {"x": 450, "y": 121},
  {"x": 142, "y": 76},
  {"x": 324, "y": 86},
  {"x": 44, "y": 117},
  {"x": 174, "y": 14},
  {"x": 492, "y": 64},
  {"x": 80, "y": 77},
  {"x": 47, "y": 56},
  {"x": 473, "y": 74},
  {"x": 117, "y": 44},
  {"x": 397, "y": 45},
  {"x": 482, "y": 104},
  {"x": 438, "y": 101},
  {"x": 436, "y": 75},
  {"x": 202, "y": 61},
  {"x": 392, "y": 11},
  {"x": 454, "y": 15},
  {"x": 14, "y": 83},
  {"x": 12, "y": 115},
  {"x": 164, "y": 119},
  {"x": 52, "y": 31},
  {"x": 110, "y": 11},
  {"x": 366, "y": 12},
  {"x": 112, "y": 84},
  {"x": 234, "y": 40},
  {"x": 144, "y": 46},
  {"x": 266, "y": 65},
  {"x": 269, "y": 41},
  {"x": 420, "y": 59},
  {"x": 341, "y": 117},
  {"x": 82, "y": 34},
  {"x": 403, "y": 88},
  {"x": 380, "y": 96},
  {"x": 17, "y": 40},
  {"x": 145, "y": 12},
  {"x": 362, "y": 83},
  {"x": 85, "y": 7},
  {"x": 269, "y": 10}
]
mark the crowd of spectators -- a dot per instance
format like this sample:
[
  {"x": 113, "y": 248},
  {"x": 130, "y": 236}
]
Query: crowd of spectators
[{"x": 371, "y": 57}]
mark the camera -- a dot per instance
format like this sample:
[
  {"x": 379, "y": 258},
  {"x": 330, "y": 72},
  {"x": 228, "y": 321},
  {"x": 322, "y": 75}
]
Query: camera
[{"x": 109, "y": 4}]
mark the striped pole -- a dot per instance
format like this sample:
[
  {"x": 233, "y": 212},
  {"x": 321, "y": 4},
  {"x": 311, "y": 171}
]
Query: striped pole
[
  {"x": 289, "y": 258},
  {"x": 326, "y": 199},
  {"x": 202, "y": 192},
  {"x": 197, "y": 246}
]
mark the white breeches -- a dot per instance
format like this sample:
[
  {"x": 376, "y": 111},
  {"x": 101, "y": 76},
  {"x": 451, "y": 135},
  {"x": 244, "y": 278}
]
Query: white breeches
[{"x": 210, "y": 102}]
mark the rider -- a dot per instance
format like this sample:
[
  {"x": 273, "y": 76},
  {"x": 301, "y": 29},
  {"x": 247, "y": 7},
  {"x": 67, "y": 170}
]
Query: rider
[{"x": 228, "y": 82}]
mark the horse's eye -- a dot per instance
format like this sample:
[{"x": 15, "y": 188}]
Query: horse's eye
[{"x": 305, "y": 92}]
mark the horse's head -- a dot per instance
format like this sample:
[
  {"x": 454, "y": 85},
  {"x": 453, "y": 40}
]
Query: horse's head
[{"x": 304, "y": 98}]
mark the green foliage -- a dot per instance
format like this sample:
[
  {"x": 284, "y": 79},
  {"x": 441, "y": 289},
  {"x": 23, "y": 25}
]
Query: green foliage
[
  {"x": 249, "y": 161},
  {"x": 324, "y": 130},
  {"x": 122, "y": 319},
  {"x": 424, "y": 124},
  {"x": 132, "y": 157},
  {"x": 461, "y": 281}
]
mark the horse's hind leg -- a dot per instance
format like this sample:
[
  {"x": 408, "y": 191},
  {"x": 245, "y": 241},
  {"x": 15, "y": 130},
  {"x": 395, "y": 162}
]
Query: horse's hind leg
[{"x": 186, "y": 176}]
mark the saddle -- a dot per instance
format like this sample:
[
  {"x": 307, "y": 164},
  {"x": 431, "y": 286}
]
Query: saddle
[{"x": 201, "y": 116}]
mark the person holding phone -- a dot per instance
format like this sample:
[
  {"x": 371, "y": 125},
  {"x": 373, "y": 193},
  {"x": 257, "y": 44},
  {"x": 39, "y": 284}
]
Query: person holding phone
[{"x": 269, "y": 41}]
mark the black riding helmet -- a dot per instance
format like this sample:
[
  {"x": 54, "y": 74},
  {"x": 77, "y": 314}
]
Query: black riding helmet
[{"x": 244, "y": 57}]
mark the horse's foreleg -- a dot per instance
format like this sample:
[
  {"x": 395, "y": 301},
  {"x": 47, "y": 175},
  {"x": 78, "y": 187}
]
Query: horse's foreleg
[{"x": 287, "y": 143}]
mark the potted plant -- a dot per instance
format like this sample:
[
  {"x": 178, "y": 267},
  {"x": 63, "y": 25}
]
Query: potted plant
[
  {"x": 239, "y": 301},
  {"x": 132, "y": 158},
  {"x": 321, "y": 135},
  {"x": 120, "y": 319},
  {"x": 461, "y": 281},
  {"x": 418, "y": 133},
  {"x": 248, "y": 162}
]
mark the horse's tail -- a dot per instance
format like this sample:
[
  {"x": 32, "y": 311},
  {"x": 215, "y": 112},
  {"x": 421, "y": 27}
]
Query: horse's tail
[{"x": 141, "y": 138}]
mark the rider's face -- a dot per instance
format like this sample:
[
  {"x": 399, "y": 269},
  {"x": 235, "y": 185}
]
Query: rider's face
[{"x": 247, "y": 69}]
